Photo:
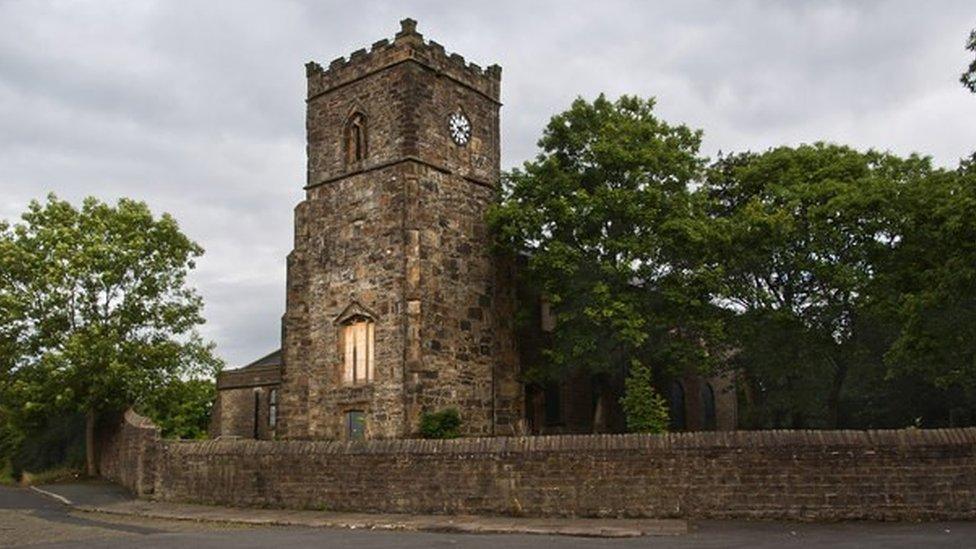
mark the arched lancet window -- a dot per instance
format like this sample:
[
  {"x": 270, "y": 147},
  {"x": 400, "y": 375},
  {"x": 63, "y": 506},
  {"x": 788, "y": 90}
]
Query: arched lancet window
[
  {"x": 356, "y": 142},
  {"x": 708, "y": 406},
  {"x": 677, "y": 410},
  {"x": 357, "y": 345},
  {"x": 257, "y": 414},
  {"x": 553, "y": 402},
  {"x": 273, "y": 408}
]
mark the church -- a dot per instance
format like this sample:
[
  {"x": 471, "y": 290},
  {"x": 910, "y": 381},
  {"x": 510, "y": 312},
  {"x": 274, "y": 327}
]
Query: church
[{"x": 396, "y": 303}]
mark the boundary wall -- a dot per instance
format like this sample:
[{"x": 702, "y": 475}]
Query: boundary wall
[{"x": 909, "y": 474}]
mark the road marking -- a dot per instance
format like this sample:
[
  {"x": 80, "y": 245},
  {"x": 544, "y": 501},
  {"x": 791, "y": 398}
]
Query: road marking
[{"x": 58, "y": 497}]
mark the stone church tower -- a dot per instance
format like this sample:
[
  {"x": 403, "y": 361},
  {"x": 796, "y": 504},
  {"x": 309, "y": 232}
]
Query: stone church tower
[{"x": 395, "y": 303}]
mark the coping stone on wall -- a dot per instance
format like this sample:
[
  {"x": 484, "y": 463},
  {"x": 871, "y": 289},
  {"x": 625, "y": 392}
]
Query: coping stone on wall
[{"x": 776, "y": 439}]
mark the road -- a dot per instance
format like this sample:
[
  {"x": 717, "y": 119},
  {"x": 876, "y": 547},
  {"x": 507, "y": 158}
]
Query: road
[{"x": 30, "y": 519}]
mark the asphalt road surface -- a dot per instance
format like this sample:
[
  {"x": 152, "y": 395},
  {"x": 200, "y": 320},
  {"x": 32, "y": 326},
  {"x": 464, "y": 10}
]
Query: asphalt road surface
[{"x": 31, "y": 519}]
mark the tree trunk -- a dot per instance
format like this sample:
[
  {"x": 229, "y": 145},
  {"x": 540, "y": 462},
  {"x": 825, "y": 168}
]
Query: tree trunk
[{"x": 91, "y": 468}]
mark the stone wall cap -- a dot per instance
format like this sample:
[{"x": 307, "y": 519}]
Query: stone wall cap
[{"x": 778, "y": 440}]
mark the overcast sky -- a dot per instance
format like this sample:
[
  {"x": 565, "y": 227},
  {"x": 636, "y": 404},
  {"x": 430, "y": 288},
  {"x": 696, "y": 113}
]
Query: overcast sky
[{"x": 197, "y": 107}]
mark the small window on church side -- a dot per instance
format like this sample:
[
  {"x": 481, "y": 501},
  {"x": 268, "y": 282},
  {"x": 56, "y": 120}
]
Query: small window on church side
[
  {"x": 355, "y": 425},
  {"x": 357, "y": 340},
  {"x": 356, "y": 146}
]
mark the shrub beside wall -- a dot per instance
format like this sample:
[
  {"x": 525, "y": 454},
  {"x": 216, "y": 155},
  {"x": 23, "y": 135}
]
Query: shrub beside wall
[
  {"x": 442, "y": 424},
  {"x": 888, "y": 475}
]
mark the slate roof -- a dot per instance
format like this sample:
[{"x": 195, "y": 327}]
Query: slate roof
[{"x": 262, "y": 372}]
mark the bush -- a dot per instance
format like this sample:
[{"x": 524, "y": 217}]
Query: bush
[
  {"x": 10, "y": 440},
  {"x": 645, "y": 408},
  {"x": 6, "y": 473},
  {"x": 58, "y": 443},
  {"x": 443, "y": 424},
  {"x": 181, "y": 408}
]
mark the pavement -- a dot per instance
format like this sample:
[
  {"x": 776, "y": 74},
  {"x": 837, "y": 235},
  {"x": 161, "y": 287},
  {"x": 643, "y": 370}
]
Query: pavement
[
  {"x": 108, "y": 499},
  {"x": 30, "y": 518}
]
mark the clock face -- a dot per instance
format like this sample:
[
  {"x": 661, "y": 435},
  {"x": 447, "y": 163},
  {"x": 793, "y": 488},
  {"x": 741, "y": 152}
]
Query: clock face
[{"x": 460, "y": 128}]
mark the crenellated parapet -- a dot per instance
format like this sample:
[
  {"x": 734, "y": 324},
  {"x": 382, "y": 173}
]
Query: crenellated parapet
[{"x": 407, "y": 46}]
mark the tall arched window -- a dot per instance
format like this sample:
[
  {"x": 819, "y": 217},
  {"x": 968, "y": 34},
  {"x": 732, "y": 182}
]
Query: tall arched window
[
  {"x": 257, "y": 414},
  {"x": 554, "y": 409},
  {"x": 708, "y": 406},
  {"x": 357, "y": 343},
  {"x": 677, "y": 410},
  {"x": 272, "y": 408},
  {"x": 356, "y": 143}
]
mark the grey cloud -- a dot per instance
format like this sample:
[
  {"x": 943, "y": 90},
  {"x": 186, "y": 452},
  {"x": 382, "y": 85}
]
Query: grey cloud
[{"x": 197, "y": 107}]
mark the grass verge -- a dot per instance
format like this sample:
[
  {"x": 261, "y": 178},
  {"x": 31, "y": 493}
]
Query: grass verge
[
  {"x": 52, "y": 476},
  {"x": 7, "y": 474}
]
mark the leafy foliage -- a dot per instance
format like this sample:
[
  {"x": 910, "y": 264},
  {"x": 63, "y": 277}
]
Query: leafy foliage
[
  {"x": 798, "y": 235},
  {"x": 58, "y": 443},
  {"x": 645, "y": 408},
  {"x": 929, "y": 282},
  {"x": 847, "y": 266},
  {"x": 968, "y": 77},
  {"x": 840, "y": 285},
  {"x": 6, "y": 473},
  {"x": 443, "y": 424},
  {"x": 94, "y": 309},
  {"x": 181, "y": 408},
  {"x": 603, "y": 216}
]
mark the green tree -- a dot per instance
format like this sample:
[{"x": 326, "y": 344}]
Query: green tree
[
  {"x": 645, "y": 409},
  {"x": 181, "y": 408},
  {"x": 968, "y": 77},
  {"x": 929, "y": 283},
  {"x": 797, "y": 237},
  {"x": 95, "y": 309},
  {"x": 603, "y": 215}
]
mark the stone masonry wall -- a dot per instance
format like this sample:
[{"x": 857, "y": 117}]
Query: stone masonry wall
[
  {"x": 464, "y": 344},
  {"x": 805, "y": 475},
  {"x": 128, "y": 452},
  {"x": 353, "y": 253},
  {"x": 234, "y": 413}
]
